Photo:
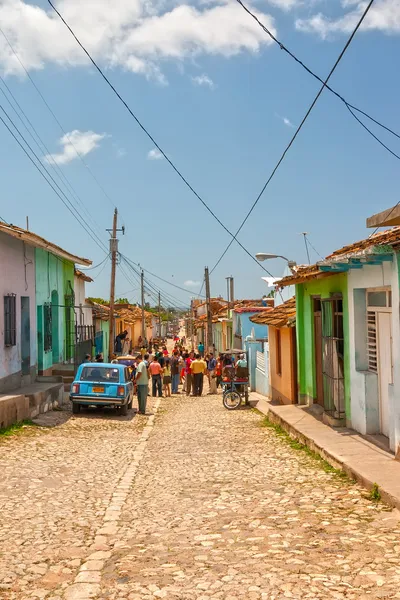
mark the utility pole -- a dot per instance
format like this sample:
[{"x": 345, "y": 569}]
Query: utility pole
[
  {"x": 228, "y": 291},
  {"x": 192, "y": 322},
  {"x": 159, "y": 314},
  {"x": 143, "y": 319},
  {"x": 231, "y": 290},
  {"x": 114, "y": 254},
  {"x": 209, "y": 336}
]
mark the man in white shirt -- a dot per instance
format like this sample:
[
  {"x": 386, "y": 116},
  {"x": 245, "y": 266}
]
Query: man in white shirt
[{"x": 142, "y": 382}]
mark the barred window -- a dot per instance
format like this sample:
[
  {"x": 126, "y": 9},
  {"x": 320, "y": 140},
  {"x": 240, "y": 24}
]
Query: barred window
[
  {"x": 10, "y": 320},
  {"x": 47, "y": 327}
]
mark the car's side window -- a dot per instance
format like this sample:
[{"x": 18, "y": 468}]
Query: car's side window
[{"x": 126, "y": 374}]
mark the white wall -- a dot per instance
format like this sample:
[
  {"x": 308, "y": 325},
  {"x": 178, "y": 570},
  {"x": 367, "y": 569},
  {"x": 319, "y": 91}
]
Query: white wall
[
  {"x": 17, "y": 277},
  {"x": 80, "y": 291},
  {"x": 364, "y": 385}
]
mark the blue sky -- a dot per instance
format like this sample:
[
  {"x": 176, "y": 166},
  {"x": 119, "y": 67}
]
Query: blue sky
[{"x": 215, "y": 94}]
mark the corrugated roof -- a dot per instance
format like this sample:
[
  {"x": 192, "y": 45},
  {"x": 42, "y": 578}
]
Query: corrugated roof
[
  {"x": 280, "y": 316},
  {"x": 38, "y": 242},
  {"x": 360, "y": 249}
]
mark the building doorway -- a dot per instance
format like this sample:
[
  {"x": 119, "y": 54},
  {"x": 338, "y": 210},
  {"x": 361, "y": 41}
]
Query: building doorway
[
  {"x": 25, "y": 336},
  {"x": 319, "y": 385},
  {"x": 379, "y": 340},
  {"x": 55, "y": 346}
]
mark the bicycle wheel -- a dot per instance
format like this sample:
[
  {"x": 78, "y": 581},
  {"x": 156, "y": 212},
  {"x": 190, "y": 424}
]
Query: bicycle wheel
[{"x": 231, "y": 400}]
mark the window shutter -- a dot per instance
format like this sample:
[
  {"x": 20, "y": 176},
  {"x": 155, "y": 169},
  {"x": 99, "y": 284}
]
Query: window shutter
[{"x": 371, "y": 341}]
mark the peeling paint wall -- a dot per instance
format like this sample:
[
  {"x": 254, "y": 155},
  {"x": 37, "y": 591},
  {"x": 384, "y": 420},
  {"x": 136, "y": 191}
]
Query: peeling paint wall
[
  {"x": 54, "y": 281},
  {"x": 305, "y": 292},
  {"x": 365, "y": 416},
  {"x": 17, "y": 277}
]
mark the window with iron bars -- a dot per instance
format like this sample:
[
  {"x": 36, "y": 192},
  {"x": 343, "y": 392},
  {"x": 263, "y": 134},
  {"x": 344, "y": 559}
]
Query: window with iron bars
[
  {"x": 47, "y": 327},
  {"x": 10, "y": 320}
]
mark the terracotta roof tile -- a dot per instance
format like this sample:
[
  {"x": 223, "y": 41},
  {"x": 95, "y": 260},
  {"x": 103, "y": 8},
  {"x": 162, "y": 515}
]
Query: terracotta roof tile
[
  {"x": 389, "y": 237},
  {"x": 280, "y": 316}
]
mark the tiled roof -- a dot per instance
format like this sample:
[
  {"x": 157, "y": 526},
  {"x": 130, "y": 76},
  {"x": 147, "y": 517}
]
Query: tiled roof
[
  {"x": 250, "y": 309},
  {"x": 389, "y": 237},
  {"x": 82, "y": 276},
  {"x": 374, "y": 244},
  {"x": 130, "y": 314},
  {"x": 280, "y": 316},
  {"x": 38, "y": 242},
  {"x": 100, "y": 311}
]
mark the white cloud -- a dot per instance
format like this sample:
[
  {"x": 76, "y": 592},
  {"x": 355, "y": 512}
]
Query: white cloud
[
  {"x": 136, "y": 35},
  {"x": 203, "y": 80},
  {"x": 82, "y": 142},
  {"x": 287, "y": 122},
  {"x": 285, "y": 5},
  {"x": 383, "y": 16},
  {"x": 191, "y": 283},
  {"x": 154, "y": 154}
]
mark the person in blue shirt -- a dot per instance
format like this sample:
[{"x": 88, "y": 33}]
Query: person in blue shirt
[{"x": 200, "y": 348}]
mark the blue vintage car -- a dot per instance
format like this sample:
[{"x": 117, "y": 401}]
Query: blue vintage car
[{"x": 102, "y": 384}]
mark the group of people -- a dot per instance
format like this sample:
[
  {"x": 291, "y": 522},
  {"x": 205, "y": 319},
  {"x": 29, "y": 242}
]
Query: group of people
[{"x": 187, "y": 368}]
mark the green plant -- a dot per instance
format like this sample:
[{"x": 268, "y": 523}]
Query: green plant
[
  {"x": 297, "y": 445},
  {"x": 375, "y": 494},
  {"x": 15, "y": 428}
]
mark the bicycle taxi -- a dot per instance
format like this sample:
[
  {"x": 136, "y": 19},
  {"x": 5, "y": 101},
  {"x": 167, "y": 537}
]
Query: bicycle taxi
[{"x": 235, "y": 380}]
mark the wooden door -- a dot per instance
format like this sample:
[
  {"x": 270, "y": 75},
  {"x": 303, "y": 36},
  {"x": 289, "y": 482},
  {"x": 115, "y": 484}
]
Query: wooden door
[
  {"x": 384, "y": 368},
  {"x": 318, "y": 352}
]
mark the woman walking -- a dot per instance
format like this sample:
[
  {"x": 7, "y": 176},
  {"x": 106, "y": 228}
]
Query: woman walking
[{"x": 167, "y": 378}]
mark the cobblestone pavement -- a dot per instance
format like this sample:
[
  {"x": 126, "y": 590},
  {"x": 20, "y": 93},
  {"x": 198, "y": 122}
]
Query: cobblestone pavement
[{"x": 199, "y": 503}]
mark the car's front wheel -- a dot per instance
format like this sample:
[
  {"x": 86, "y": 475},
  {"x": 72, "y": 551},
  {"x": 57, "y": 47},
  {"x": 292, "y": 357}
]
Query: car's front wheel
[{"x": 76, "y": 408}]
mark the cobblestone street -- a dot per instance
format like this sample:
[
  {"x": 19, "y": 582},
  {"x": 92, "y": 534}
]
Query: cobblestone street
[{"x": 194, "y": 503}]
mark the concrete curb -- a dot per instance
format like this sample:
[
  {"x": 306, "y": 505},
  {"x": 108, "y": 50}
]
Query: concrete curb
[{"x": 342, "y": 448}]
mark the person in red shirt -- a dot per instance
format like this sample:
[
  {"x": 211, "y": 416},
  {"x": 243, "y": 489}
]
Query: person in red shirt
[
  {"x": 156, "y": 372},
  {"x": 188, "y": 373}
]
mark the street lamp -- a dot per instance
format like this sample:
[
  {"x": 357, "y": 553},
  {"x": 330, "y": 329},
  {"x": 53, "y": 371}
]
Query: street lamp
[{"x": 261, "y": 256}]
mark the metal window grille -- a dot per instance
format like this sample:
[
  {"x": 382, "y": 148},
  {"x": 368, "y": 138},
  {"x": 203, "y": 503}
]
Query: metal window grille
[
  {"x": 47, "y": 327},
  {"x": 333, "y": 356},
  {"x": 10, "y": 320},
  {"x": 372, "y": 342}
]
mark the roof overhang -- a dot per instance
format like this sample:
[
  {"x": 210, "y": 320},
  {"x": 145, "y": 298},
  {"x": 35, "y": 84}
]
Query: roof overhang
[
  {"x": 371, "y": 256},
  {"x": 388, "y": 217},
  {"x": 38, "y": 242}
]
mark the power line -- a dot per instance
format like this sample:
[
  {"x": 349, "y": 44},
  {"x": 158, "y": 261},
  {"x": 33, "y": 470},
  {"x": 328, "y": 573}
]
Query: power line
[
  {"x": 43, "y": 148},
  {"x": 283, "y": 156},
  {"x": 57, "y": 120},
  {"x": 66, "y": 202},
  {"x": 315, "y": 250},
  {"x": 143, "y": 128},
  {"x": 348, "y": 105},
  {"x": 158, "y": 277},
  {"x": 152, "y": 289}
]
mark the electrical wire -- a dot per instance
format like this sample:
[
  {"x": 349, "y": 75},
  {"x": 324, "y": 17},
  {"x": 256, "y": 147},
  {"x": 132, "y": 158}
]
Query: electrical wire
[
  {"x": 348, "y": 105},
  {"x": 316, "y": 251},
  {"x": 151, "y": 288},
  {"x": 43, "y": 148},
  {"x": 296, "y": 133},
  {"x": 67, "y": 203},
  {"x": 143, "y": 128},
  {"x": 57, "y": 120},
  {"x": 158, "y": 277},
  {"x": 95, "y": 267}
]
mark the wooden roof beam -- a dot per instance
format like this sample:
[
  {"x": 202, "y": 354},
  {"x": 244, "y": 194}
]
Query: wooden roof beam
[{"x": 388, "y": 217}]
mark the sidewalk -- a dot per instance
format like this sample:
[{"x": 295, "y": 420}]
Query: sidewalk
[{"x": 342, "y": 447}]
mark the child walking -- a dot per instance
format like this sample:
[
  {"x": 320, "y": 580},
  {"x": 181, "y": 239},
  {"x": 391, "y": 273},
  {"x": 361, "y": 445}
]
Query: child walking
[{"x": 167, "y": 378}]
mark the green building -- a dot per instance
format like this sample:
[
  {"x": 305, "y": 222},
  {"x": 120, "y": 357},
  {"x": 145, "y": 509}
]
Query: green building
[{"x": 55, "y": 306}]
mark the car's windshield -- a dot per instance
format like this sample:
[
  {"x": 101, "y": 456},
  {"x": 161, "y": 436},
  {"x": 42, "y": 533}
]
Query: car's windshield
[{"x": 99, "y": 373}]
